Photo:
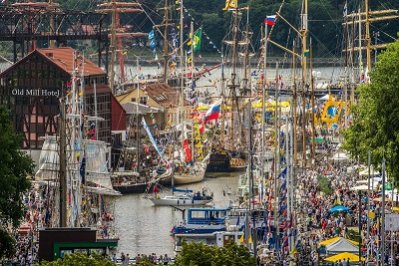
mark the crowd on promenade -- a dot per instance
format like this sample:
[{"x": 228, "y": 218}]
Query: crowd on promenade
[
  {"x": 37, "y": 215},
  {"x": 317, "y": 221},
  {"x": 125, "y": 259}
]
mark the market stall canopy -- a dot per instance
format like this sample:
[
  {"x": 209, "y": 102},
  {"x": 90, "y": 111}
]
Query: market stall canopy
[
  {"x": 344, "y": 256},
  {"x": 360, "y": 188},
  {"x": 339, "y": 208},
  {"x": 271, "y": 104},
  {"x": 340, "y": 156},
  {"x": 202, "y": 107},
  {"x": 342, "y": 245},
  {"x": 334, "y": 240},
  {"x": 319, "y": 140},
  {"x": 325, "y": 97},
  {"x": 365, "y": 172}
]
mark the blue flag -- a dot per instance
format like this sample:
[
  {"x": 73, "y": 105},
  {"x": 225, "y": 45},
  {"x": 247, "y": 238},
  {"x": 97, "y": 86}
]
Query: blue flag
[{"x": 147, "y": 129}]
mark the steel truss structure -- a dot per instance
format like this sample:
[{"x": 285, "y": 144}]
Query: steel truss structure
[{"x": 28, "y": 24}]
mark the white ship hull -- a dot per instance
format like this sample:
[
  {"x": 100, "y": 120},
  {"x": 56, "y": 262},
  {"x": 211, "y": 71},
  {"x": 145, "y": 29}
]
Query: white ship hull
[
  {"x": 179, "y": 201},
  {"x": 194, "y": 177}
]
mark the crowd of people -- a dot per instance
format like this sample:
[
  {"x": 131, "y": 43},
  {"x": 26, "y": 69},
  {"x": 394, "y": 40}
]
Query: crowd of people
[
  {"x": 125, "y": 259},
  {"x": 317, "y": 222},
  {"x": 37, "y": 215}
]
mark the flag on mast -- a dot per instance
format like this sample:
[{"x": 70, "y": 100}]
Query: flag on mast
[
  {"x": 197, "y": 40},
  {"x": 270, "y": 20}
]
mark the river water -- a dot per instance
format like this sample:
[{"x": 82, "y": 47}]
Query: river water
[{"x": 143, "y": 228}]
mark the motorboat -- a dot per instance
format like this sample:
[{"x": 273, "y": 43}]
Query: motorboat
[
  {"x": 202, "y": 221},
  {"x": 188, "y": 198}
]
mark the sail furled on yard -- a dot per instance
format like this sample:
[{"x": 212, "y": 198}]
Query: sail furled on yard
[
  {"x": 49, "y": 160},
  {"x": 231, "y": 4},
  {"x": 96, "y": 164},
  {"x": 94, "y": 168}
]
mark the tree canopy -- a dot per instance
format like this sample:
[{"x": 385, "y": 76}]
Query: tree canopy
[
  {"x": 80, "y": 259},
  {"x": 15, "y": 167},
  {"x": 198, "y": 254},
  {"x": 376, "y": 115}
]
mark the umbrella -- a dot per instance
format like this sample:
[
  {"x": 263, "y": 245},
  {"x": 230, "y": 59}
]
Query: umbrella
[
  {"x": 344, "y": 256},
  {"x": 339, "y": 208}
]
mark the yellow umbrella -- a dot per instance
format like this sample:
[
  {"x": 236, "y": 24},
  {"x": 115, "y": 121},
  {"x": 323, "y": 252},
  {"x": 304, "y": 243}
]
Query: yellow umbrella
[{"x": 344, "y": 256}]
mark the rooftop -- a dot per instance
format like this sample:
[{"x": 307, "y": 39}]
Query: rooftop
[{"x": 64, "y": 58}]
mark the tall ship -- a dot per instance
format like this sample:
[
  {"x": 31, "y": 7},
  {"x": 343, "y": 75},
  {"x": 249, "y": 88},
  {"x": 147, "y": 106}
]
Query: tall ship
[
  {"x": 235, "y": 88},
  {"x": 76, "y": 162}
]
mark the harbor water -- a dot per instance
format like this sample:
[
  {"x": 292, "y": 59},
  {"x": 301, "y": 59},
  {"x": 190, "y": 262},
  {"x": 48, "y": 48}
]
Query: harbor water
[{"x": 144, "y": 229}]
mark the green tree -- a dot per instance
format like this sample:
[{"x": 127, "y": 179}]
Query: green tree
[
  {"x": 376, "y": 115},
  {"x": 15, "y": 167},
  {"x": 198, "y": 254},
  {"x": 146, "y": 262},
  {"x": 81, "y": 260}
]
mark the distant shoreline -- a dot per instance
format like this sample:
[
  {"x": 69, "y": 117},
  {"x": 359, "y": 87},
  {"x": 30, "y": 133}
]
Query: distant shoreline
[
  {"x": 214, "y": 60},
  {"x": 271, "y": 61}
]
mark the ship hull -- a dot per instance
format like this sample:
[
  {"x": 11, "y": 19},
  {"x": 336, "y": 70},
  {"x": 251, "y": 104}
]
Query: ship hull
[{"x": 132, "y": 189}]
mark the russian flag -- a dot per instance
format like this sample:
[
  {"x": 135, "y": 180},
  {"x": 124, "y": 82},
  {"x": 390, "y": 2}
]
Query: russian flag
[
  {"x": 213, "y": 112},
  {"x": 270, "y": 20}
]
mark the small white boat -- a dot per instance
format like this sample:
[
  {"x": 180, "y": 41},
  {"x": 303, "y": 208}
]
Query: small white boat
[
  {"x": 181, "y": 200},
  {"x": 195, "y": 174}
]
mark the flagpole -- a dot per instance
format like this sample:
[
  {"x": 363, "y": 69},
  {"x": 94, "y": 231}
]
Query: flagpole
[
  {"x": 192, "y": 53},
  {"x": 368, "y": 205},
  {"x": 383, "y": 215},
  {"x": 263, "y": 117}
]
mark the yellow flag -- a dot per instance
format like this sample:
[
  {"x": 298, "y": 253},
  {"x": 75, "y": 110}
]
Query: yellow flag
[
  {"x": 250, "y": 240},
  {"x": 231, "y": 4},
  {"x": 242, "y": 239}
]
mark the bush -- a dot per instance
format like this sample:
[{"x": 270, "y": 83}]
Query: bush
[
  {"x": 325, "y": 185},
  {"x": 81, "y": 260},
  {"x": 198, "y": 254}
]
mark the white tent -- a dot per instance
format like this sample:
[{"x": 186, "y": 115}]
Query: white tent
[
  {"x": 373, "y": 182},
  {"x": 325, "y": 97},
  {"x": 342, "y": 245},
  {"x": 359, "y": 188},
  {"x": 340, "y": 157},
  {"x": 365, "y": 172}
]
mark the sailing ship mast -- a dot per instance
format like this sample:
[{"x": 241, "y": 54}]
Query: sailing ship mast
[
  {"x": 166, "y": 24},
  {"x": 233, "y": 86},
  {"x": 117, "y": 33},
  {"x": 312, "y": 113},
  {"x": 63, "y": 165},
  {"x": 366, "y": 18},
  {"x": 304, "y": 36}
]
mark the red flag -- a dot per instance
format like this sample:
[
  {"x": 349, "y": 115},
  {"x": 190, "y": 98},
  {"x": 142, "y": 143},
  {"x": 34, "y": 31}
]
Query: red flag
[{"x": 187, "y": 150}]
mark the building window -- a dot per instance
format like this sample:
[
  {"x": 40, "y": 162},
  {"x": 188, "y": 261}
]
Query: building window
[{"x": 143, "y": 100}]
